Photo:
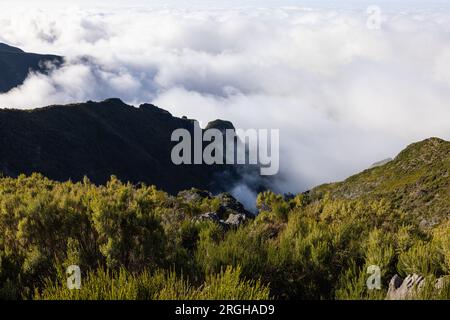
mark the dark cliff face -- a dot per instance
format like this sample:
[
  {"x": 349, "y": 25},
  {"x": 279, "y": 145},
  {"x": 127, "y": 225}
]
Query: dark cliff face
[
  {"x": 15, "y": 65},
  {"x": 100, "y": 139}
]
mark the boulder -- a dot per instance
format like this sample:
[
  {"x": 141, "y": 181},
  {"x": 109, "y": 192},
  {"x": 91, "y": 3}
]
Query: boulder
[
  {"x": 235, "y": 220},
  {"x": 194, "y": 195},
  {"x": 229, "y": 205},
  {"x": 408, "y": 288},
  {"x": 400, "y": 289},
  {"x": 211, "y": 216}
]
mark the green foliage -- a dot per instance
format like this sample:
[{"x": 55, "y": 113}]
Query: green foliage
[
  {"x": 128, "y": 227},
  {"x": 434, "y": 289},
  {"x": 269, "y": 201},
  {"x": 159, "y": 285},
  {"x": 416, "y": 181},
  {"x": 228, "y": 285},
  {"x": 135, "y": 242},
  {"x": 241, "y": 247}
]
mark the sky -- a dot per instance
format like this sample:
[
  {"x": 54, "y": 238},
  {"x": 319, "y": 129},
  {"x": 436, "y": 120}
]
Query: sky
[
  {"x": 345, "y": 88},
  {"x": 235, "y": 3}
]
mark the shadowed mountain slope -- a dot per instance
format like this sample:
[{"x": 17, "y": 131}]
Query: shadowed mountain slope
[
  {"x": 15, "y": 65},
  {"x": 100, "y": 139}
]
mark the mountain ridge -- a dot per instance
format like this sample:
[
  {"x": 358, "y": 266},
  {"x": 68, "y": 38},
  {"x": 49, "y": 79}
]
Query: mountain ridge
[
  {"x": 16, "y": 64},
  {"x": 100, "y": 139}
]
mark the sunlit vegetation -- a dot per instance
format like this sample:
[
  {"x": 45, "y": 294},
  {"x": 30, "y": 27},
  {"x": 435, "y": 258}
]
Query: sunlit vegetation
[{"x": 135, "y": 242}]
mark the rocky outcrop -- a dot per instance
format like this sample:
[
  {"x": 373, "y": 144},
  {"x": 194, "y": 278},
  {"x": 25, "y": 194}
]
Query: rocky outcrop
[
  {"x": 230, "y": 206},
  {"x": 221, "y": 125},
  {"x": 230, "y": 213},
  {"x": 227, "y": 203},
  {"x": 235, "y": 220},
  {"x": 209, "y": 216},
  {"x": 400, "y": 289},
  {"x": 410, "y": 287},
  {"x": 194, "y": 195}
]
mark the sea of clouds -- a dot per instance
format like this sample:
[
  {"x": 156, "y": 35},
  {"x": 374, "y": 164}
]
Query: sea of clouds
[{"x": 343, "y": 95}]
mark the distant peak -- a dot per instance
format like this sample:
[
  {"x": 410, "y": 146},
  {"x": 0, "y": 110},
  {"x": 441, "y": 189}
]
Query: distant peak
[
  {"x": 425, "y": 150},
  {"x": 115, "y": 101},
  {"x": 433, "y": 142},
  {"x": 219, "y": 124},
  {"x": 148, "y": 105},
  {"x": 152, "y": 107}
]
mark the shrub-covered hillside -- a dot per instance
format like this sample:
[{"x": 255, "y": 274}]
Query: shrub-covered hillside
[
  {"x": 416, "y": 181},
  {"x": 136, "y": 242}
]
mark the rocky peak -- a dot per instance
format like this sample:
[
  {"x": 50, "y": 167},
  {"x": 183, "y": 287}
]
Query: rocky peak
[{"x": 221, "y": 125}]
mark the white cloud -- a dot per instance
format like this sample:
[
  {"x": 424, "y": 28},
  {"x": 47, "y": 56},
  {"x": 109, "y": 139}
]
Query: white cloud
[{"x": 342, "y": 95}]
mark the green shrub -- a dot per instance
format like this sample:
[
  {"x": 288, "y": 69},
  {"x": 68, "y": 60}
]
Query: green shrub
[
  {"x": 135, "y": 242},
  {"x": 159, "y": 285}
]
